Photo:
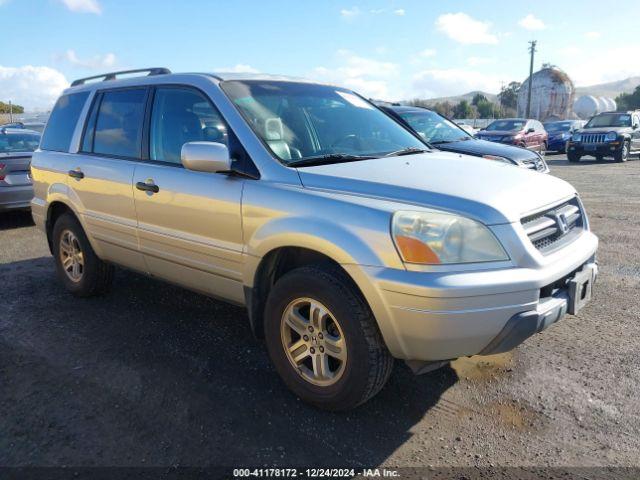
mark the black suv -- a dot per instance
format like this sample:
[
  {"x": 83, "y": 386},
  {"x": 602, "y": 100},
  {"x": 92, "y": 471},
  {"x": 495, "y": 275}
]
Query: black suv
[{"x": 608, "y": 134}]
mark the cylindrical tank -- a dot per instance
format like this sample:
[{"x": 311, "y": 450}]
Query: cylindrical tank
[
  {"x": 552, "y": 94},
  {"x": 611, "y": 104},
  {"x": 586, "y": 106}
]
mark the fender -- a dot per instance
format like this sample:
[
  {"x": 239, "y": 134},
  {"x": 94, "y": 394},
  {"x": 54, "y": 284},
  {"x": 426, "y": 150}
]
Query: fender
[{"x": 334, "y": 240}]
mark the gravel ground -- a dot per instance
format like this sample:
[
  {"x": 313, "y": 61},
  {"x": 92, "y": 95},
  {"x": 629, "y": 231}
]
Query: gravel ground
[{"x": 155, "y": 375}]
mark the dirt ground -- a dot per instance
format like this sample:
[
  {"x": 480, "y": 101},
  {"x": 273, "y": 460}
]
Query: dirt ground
[{"x": 155, "y": 375}]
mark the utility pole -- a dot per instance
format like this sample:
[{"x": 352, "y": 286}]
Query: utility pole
[
  {"x": 10, "y": 112},
  {"x": 532, "y": 51}
]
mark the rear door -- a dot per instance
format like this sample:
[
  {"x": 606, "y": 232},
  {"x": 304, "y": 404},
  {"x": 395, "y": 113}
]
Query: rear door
[
  {"x": 189, "y": 223},
  {"x": 101, "y": 174}
]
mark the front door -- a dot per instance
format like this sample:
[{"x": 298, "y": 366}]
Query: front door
[{"x": 189, "y": 223}]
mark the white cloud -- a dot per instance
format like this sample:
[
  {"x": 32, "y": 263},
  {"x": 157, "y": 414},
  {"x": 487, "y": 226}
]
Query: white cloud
[
  {"x": 593, "y": 35},
  {"x": 466, "y": 30},
  {"x": 238, "y": 68},
  {"x": 97, "y": 62},
  {"x": 428, "y": 52},
  {"x": 454, "y": 81},
  {"x": 30, "y": 86},
  {"x": 475, "y": 61},
  {"x": 83, "y": 6},
  {"x": 531, "y": 22},
  {"x": 613, "y": 64},
  {"x": 367, "y": 76},
  {"x": 400, "y": 12},
  {"x": 348, "y": 13}
]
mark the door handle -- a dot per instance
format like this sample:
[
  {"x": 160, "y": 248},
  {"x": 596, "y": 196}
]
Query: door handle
[
  {"x": 77, "y": 174},
  {"x": 147, "y": 187}
]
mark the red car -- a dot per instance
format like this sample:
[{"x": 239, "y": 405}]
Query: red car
[{"x": 529, "y": 134}]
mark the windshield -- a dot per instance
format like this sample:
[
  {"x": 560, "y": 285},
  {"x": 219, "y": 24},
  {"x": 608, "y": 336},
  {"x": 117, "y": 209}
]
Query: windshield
[
  {"x": 558, "y": 127},
  {"x": 433, "y": 127},
  {"x": 300, "y": 121},
  {"x": 506, "y": 125},
  {"x": 18, "y": 142},
  {"x": 610, "y": 120}
]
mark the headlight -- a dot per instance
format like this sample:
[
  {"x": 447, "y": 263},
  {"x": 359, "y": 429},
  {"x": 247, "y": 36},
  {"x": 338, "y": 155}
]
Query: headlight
[
  {"x": 498, "y": 159},
  {"x": 565, "y": 135},
  {"x": 611, "y": 136},
  {"x": 576, "y": 137},
  {"x": 432, "y": 238}
]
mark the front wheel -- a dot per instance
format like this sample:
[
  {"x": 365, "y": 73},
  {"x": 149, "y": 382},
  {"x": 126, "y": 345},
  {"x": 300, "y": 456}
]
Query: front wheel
[
  {"x": 573, "y": 157},
  {"x": 78, "y": 267},
  {"x": 323, "y": 339},
  {"x": 623, "y": 154}
]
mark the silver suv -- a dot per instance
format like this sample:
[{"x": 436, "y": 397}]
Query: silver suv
[{"x": 348, "y": 240}]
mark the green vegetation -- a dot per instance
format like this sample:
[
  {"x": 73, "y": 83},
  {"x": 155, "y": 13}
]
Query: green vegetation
[
  {"x": 629, "y": 101},
  {"x": 4, "y": 108}
]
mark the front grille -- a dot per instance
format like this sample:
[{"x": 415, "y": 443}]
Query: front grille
[
  {"x": 555, "y": 227},
  {"x": 593, "y": 137}
]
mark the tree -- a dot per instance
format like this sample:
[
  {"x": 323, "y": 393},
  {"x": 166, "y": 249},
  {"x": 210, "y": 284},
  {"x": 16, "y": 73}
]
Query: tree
[
  {"x": 629, "y": 101},
  {"x": 487, "y": 109},
  {"x": 508, "y": 96},
  {"x": 478, "y": 98},
  {"x": 462, "y": 110},
  {"x": 4, "y": 108},
  {"x": 443, "y": 108}
]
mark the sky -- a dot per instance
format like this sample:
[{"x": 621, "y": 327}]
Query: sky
[{"x": 385, "y": 49}]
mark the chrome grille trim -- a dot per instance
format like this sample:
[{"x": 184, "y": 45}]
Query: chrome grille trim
[
  {"x": 553, "y": 228},
  {"x": 593, "y": 137}
]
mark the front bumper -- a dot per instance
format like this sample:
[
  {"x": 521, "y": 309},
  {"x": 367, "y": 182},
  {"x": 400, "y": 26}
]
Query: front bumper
[
  {"x": 17, "y": 197},
  {"x": 599, "y": 149},
  {"x": 434, "y": 316},
  {"x": 557, "y": 145}
]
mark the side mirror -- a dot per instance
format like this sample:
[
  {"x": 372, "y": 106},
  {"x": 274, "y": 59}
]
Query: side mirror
[
  {"x": 209, "y": 157},
  {"x": 531, "y": 130},
  {"x": 635, "y": 126}
]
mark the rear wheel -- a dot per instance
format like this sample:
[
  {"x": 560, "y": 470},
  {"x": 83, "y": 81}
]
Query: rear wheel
[
  {"x": 323, "y": 339},
  {"x": 573, "y": 157},
  {"x": 78, "y": 267},
  {"x": 623, "y": 154}
]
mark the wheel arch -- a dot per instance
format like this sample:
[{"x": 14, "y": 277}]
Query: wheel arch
[{"x": 56, "y": 209}]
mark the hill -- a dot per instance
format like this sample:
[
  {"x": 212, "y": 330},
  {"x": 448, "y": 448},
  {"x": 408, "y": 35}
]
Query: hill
[
  {"x": 467, "y": 96},
  {"x": 611, "y": 89}
]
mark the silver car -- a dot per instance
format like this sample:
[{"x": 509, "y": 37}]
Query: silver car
[
  {"x": 16, "y": 148},
  {"x": 348, "y": 240}
]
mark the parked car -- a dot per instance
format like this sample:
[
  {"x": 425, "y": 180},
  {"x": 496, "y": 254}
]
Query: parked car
[
  {"x": 560, "y": 132},
  {"x": 16, "y": 147},
  {"x": 445, "y": 135},
  {"x": 467, "y": 127},
  {"x": 521, "y": 132},
  {"x": 609, "y": 134},
  {"x": 349, "y": 241}
]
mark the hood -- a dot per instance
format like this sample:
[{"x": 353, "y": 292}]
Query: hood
[
  {"x": 482, "y": 147},
  {"x": 491, "y": 192},
  {"x": 604, "y": 129}
]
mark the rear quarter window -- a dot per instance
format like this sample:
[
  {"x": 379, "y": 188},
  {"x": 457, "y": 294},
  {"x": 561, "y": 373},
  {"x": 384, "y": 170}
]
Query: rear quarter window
[{"x": 62, "y": 122}]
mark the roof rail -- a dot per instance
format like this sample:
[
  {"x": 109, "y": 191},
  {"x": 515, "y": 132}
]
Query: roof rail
[{"x": 112, "y": 75}]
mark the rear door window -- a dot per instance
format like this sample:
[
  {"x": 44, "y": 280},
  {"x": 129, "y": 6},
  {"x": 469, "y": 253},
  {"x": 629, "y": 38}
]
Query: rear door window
[
  {"x": 62, "y": 122},
  {"x": 118, "y": 130}
]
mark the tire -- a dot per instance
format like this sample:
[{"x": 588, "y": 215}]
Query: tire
[
  {"x": 367, "y": 363},
  {"x": 572, "y": 157},
  {"x": 623, "y": 154},
  {"x": 599, "y": 158},
  {"x": 70, "y": 244},
  {"x": 543, "y": 150}
]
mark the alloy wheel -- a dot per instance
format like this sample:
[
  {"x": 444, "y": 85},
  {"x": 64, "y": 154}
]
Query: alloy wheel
[
  {"x": 71, "y": 256},
  {"x": 313, "y": 341}
]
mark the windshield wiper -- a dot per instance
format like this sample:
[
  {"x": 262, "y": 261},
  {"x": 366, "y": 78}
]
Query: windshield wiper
[
  {"x": 406, "y": 151},
  {"x": 328, "y": 159}
]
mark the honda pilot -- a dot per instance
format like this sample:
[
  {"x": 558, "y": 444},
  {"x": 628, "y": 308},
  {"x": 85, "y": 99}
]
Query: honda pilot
[{"x": 349, "y": 241}]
